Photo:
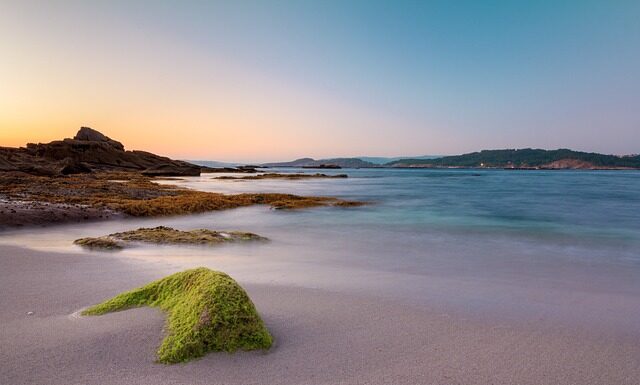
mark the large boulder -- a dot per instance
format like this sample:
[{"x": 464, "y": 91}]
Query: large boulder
[{"x": 90, "y": 135}]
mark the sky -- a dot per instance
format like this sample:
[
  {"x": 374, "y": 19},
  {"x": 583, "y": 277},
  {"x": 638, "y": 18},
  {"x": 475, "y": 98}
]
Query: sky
[{"x": 277, "y": 80}]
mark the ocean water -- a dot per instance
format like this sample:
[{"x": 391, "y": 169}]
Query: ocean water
[{"x": 545, "y": 244}]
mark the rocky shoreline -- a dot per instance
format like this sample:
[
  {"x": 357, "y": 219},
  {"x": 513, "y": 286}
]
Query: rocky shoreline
[
  {"x": 39, "y": 200},
  {"x": 89, "y": 151},
  {"x": 92, "y": 177}
]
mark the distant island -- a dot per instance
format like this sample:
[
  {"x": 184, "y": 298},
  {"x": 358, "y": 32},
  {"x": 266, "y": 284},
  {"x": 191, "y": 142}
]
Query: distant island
[
  {"x": 324, "y": 163},
  {"x": 536, "y": 159}
]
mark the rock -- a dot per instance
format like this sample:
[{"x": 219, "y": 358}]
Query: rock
[
  {"x": 240, "y": 169},
  {"x": 574, "y": 164},
  {"x": 172, "y": 169},
  {"x": 91, "y": 135},
  {"x": 89, "y": 151},
  {"x": 166, "y": 236},
  {"x": 207, "y": 310},
  {"x": 100, "y": 243},
  {"x": 70, "y": 166}
]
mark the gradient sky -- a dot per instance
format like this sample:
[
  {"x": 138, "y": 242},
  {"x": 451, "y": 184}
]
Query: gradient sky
[{"x": 273, "y": 80}]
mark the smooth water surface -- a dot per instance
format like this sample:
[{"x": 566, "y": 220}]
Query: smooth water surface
[{"x": 549, "y": 243}]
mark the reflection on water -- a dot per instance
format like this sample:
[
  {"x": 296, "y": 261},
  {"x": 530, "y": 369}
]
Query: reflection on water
[{"x": 528, "y": 240}]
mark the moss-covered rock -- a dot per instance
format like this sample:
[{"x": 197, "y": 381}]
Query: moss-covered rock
[
  {"x": 166, "y": 236},
  {"x": 133, "y": 194},
  {"x": 190, "y": 202},
  {"x": 207, "y": 311},
  {"x": 100, "y": 243}
]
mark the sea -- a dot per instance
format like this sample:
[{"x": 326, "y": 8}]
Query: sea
[{"x": 495, "y": 244}]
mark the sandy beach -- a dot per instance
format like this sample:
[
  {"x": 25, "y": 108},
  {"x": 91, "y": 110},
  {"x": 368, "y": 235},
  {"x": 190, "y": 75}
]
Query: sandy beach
[
  {"x": 322, "y": 337},
  {"x": 319, "y": 192}
]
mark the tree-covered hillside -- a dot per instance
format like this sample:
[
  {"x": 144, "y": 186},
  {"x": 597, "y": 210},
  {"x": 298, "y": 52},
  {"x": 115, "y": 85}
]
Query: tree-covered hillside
[{"x": 525, "y": 158}]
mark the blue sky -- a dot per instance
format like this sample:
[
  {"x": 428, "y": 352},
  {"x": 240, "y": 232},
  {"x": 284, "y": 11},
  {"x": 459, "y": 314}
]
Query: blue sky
[{"x": 275, "y": 79}]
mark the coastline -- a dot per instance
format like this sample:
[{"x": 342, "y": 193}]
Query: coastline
[
  {"x": 320, "y": 193},
  {"x": 321, "y": 337},
  {"x": 335, "y": 319},
  {"x": 29, "y": 200}
]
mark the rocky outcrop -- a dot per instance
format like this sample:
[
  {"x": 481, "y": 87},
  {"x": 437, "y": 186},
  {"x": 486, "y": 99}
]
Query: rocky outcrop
[
  {"x": 572, "y": 164},
  {"x": 162, "y": 235},
  {"x": 89, "y": 151},
  {"x": 171, "y": 169},
  {"x": 131, "y": 194},
  {"x": 88, "y": 134},
  {"x": 239, "y": 169},
  {"x": 70, "y": 166}
]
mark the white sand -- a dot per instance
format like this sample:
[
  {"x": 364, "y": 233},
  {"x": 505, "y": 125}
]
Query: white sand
[{"x": 322, "y": 337}]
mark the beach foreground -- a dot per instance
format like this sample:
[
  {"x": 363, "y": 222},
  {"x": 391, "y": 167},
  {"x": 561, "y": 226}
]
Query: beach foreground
[{"x": 321, "y": 337}]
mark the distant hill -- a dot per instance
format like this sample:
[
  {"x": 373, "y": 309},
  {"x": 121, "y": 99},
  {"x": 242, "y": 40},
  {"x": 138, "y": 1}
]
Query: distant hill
[
  {"x": 213, "y": 163},
  {"x": 309, "y": 162},
  {"x": 526, "y": 158},
  {"x": 384, "y": 160}
]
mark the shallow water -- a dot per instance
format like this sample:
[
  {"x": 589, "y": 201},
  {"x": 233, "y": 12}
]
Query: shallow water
[{"x": 562, "y": 244}]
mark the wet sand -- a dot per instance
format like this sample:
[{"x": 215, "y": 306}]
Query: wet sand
[
  {"x": 322, "y": 337},
  {"x": 38, "y": 214}
]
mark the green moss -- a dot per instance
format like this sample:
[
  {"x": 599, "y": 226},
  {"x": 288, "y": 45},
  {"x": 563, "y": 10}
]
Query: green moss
[
  {"x": 207, "y": 311},
  {"x": 137, "y": 195},
  {"x": 101, "y": 243},
  {"x": 166, "y": 236},
  {"x": 189, "y": 202}
]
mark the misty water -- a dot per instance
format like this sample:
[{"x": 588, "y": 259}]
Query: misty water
[{"x": 548, "y": 244}]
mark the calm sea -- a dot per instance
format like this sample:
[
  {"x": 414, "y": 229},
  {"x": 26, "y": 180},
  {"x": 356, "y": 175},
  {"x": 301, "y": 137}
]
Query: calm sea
[{"x": 562, "y": 244}]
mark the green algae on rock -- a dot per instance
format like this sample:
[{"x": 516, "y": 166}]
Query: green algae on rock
[
  {"x": 207, "y": 311},
  {"x": 166, "y": 236},
  {"x": 137, "y": 195},
  {"x": 101, "y": 243}
]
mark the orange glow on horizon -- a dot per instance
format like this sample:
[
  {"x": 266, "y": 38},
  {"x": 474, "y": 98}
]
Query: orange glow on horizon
[{"x": 210, "y": 81}]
